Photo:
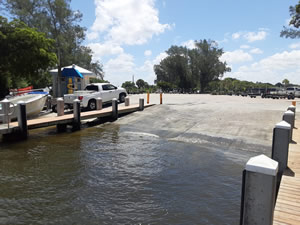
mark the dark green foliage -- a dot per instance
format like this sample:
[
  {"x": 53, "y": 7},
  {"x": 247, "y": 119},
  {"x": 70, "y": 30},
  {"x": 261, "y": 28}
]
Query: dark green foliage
[
  {"x": 58, "y": 21},
  {"x": 24, "y": 54},
  {"x": 130, "y": 87},
  {"x": 294, "y": 32},
  {"x": 141, "y": 84},
  {"x": 165, "y": 86},
  {"x": 234, "y": 86},
  {"x": 190, "y": 69}
]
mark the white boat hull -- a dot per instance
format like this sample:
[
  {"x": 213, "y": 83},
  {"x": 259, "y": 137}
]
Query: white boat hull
[{"x": 34, "y": 104}]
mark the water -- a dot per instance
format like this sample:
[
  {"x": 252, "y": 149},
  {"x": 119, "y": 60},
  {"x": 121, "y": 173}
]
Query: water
[{"x": 113, "y": 174}]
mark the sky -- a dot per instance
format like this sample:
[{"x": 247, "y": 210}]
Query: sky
[{"x": 130, "y": 36}]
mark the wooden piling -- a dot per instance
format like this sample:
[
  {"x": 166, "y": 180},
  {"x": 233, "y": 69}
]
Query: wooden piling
[
  {"x": 22, "y": 120},
  {"x": 76, "y": 112},
  {"x": 115, "y": 109},
  {"x": 141, "y": 104}
]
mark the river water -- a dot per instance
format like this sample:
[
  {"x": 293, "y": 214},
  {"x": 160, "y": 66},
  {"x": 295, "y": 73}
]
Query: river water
[{"x": 116, "y": 174}]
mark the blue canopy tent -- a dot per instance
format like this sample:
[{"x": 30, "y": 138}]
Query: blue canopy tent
[
  {"x": 80, "y": 78},
  {"x": 71, "y": 72}
]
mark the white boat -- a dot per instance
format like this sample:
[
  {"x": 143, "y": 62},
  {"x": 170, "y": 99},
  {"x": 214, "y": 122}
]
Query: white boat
[{"x": 35, "y": 102}]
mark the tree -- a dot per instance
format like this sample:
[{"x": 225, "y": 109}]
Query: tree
[
  {"x": 286, "y": 82},
  {"x": 294, "y": 22},
  {"x": 188, "y": 69},
  {"x": 58, "y": 21},
  {"x": 165, "y": 86},
  {"x": 129, "y": 86},
  {"x": 25, "y": 53},
  {"x": 140, "y": 83},
  {"x": 209, "y": 65}
]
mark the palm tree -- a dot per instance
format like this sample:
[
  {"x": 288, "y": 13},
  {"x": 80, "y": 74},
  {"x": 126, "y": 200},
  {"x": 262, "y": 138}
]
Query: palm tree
[{"x": 286, "y": 82}]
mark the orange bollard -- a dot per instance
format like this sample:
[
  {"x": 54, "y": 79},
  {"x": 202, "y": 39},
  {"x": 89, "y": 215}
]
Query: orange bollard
[
  {"x": 294, "y": 103},
  {"x": 148, "y": 97},
  {"x": 160, "y": 98}
]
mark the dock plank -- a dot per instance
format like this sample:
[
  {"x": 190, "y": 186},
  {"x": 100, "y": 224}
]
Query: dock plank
[{"x": 287, "y": 208}]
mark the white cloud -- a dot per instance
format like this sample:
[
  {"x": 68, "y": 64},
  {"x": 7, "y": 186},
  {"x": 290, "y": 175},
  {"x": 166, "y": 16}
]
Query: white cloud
[
  {"x": 245, "y": 46},
  {"x": 100, "y": 50},
  {"x": 236, "y": 35},
  {"x": 92, "y": 35},
  {"x": 131, "y": 22},
  {"x": 120, "y": 69},
  {"x": 190, "y": 44},
  {"x": 255, "y": 36},
  {"x": 294, "y": 45},
  {"x": 256, "y": 51},
  {"x": 237, "y": 56},
  {"x": 148, "y": 53},
  {"x": 272, "y": 69},
  {"x": 261, "y": 34},
  {"x": 119, "y": 23}
]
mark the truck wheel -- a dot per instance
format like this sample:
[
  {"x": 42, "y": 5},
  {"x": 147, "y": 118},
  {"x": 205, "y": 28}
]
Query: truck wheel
[
  {"x": 122, "y": 97},
  {"x": 92, "y": 104}
]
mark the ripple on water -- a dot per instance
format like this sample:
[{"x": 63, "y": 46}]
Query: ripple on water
[{"x": 109, "y": 175}]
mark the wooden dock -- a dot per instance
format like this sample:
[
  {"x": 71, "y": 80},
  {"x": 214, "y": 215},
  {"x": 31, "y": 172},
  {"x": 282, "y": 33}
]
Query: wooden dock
[
  {"x": 287, "y": 208},
  {"x": 68, "y": 119}
]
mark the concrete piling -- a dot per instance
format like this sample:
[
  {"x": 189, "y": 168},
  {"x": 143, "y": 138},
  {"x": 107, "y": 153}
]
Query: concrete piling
[
  {"x": 22, "y": 120},
  {"x": 6, "y": 111},
  {"x": 60, "y": 107},
  {"x": 115, "y": 109},
  {"x": 127, "y": 101},
  {"x": 141, "y": 104},
  {"x": 289, "y": 117},
  {"x": 293, "y": 109},
  {"x": 76, "y": 112},
  {"x": 99, "y": 103},
  {"x": 259, "y": 190},
  {"x": 280, "y": 146}
]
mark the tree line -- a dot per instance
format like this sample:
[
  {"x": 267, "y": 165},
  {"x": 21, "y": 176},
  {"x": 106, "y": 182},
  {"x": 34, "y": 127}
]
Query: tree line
[
  {"x": 217, "y": 87},
  {"x": 50, "y": 28}
]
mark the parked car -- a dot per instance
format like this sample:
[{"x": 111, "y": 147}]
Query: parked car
[{"x": 93, "y": 91}]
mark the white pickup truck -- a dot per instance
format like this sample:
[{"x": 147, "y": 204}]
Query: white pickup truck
[
  {"x": 93, "y": 91},
  {"x": 293, "y": 92}
]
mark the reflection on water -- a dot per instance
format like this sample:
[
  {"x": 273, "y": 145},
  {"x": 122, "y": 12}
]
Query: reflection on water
[{"x": 112, "y": 175}]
